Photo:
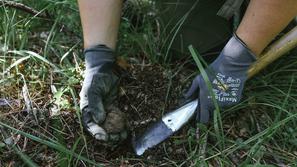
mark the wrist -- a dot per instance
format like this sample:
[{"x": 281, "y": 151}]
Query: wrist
[
  {"x": 98, "y": 55},
  {"x": 238, "y": 52}
]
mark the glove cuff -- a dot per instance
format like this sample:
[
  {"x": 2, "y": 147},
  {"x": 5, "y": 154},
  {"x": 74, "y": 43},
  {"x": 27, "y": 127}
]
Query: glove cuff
[
  {"x": 98, "y": 55},
  {"x": 238, "y": 50}
]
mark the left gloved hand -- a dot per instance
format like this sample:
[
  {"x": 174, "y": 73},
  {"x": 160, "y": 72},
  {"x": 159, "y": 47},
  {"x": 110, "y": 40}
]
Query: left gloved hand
[
  {"x": 100, "y": 116},
  {"x": 227, "y": 75}
]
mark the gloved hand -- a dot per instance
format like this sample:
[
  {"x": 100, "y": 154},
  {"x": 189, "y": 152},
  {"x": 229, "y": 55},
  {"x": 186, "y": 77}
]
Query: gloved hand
[
  {"x": 227, "y": 75},
  {"x": 99, "y": 90}
]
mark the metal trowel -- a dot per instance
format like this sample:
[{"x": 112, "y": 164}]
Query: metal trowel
[{"x": 161, "y": 130}]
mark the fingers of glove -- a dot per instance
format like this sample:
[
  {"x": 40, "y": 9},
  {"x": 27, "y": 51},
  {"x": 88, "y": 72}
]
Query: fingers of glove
[
  {"x": 193, "y": 89},
  {"x": 111, "y": 97},
  {"x": 96, "y": 93},
  {"x": 86, "y": 118},
  {"x": 205, "y": 106},
  {"x": 103, "y": 85},
  {"x": 96, "y": 131},
  {"x": 88, "y": 78},
  {"x": 97, "y": 111},
  {"x": 84, "y": 94},
  {"x": 99, "y": 132},
  {"x": 203, "y": 114},
  {"x": 96, "y": 107}
]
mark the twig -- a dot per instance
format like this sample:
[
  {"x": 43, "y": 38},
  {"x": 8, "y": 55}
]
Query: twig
[
  {"x": 24, "y": 8},
  {"x": 140, "y": 123}
]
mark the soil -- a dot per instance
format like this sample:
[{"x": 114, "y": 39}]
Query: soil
[{"x": 147, "y": 91}]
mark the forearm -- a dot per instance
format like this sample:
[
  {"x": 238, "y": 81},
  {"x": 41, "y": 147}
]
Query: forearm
[
  {"x": 263, "y": 20},
  {"x": 100, "y": 21}
]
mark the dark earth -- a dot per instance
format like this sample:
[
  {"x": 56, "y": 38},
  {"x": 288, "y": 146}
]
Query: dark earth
[{"x": 146, "y": 92}]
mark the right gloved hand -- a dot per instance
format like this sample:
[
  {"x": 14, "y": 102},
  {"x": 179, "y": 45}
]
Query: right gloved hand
[
  {"x": 99, "y": 90},
  {"x": 227, "y": 76}
]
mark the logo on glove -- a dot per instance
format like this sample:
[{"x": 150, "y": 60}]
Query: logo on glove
[{"x": 226, "y": 88}]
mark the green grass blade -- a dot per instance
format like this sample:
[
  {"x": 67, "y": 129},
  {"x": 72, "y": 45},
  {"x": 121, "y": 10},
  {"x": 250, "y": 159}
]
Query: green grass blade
[
  {"x": 19, "y": 61},
  {"x": 63, "y": 159},
  {"x": 217, "y": 118},
  {"x": 178, "y": 26},
  {"x": 26, "y": 159},
  {"x": 35, "y": 55},
  {"x": 52, "y": 144}
]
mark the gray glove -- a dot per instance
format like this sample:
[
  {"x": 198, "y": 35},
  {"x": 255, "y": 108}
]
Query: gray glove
[
  {"x": 99, "y": 90},
  {"x": 227, "y": 75}
]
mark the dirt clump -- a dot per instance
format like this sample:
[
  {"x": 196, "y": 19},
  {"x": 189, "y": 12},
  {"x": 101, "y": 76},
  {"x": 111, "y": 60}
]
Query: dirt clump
[{"x": 115, "y": 121}]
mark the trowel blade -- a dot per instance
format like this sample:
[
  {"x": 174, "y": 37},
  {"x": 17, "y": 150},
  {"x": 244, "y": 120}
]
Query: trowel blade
[
  {"x": 161, "y": 130},
  {"x": 157, "y": 133}
]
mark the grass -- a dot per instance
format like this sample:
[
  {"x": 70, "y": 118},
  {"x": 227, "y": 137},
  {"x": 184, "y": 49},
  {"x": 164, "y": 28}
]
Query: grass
[{"x": 45, "y": 55}]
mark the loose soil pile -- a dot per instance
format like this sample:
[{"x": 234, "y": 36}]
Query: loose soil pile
[{"x": 146, "y": 92}]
